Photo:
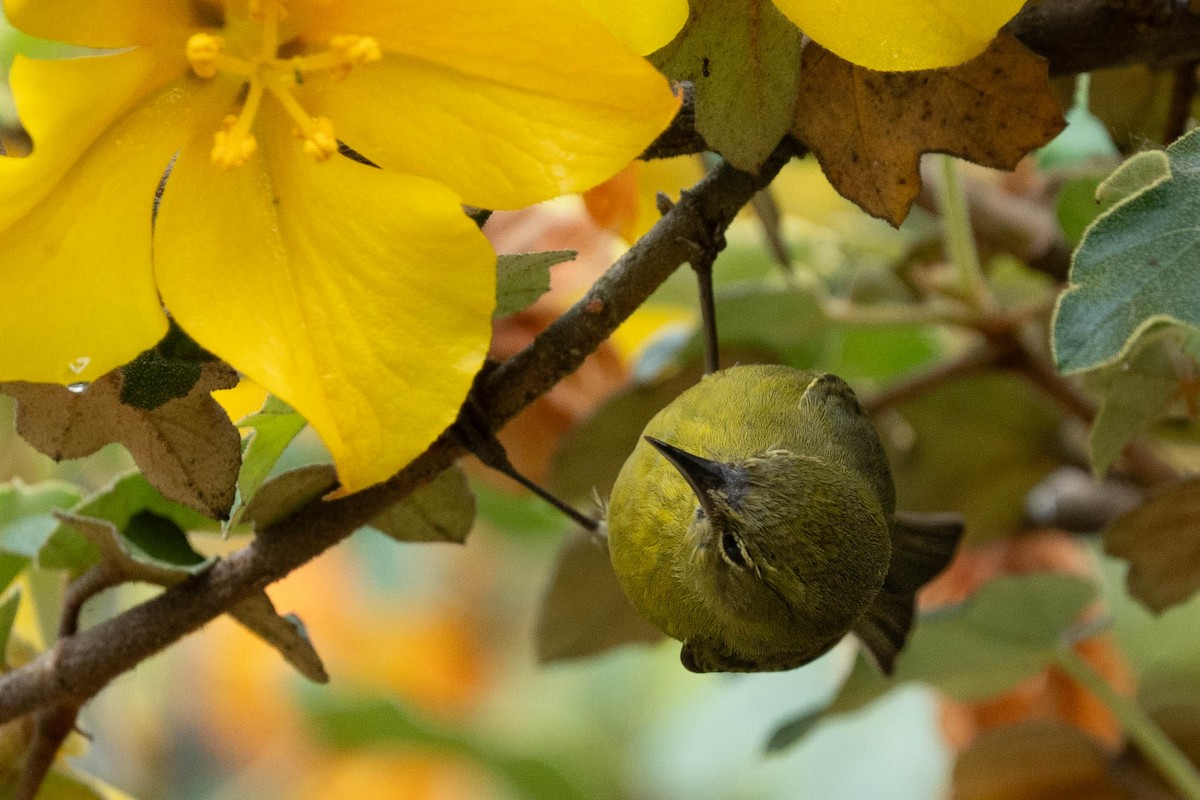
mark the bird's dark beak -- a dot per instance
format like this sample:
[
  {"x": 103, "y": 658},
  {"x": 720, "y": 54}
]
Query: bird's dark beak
[{"x": 703, "y": 475}]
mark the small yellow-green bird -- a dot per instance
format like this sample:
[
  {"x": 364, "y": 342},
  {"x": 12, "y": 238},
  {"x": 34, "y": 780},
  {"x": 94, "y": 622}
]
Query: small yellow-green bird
[{"x": 755, "y": 522}]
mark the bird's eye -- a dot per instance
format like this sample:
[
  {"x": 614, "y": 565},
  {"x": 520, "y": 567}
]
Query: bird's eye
[
  {"x": 733, "y": 549},
  {"x": 699, "y": 513}
]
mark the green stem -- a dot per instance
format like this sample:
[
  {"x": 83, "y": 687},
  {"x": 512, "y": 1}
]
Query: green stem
[
  {"x": 896, "y": 314},
  {"x": 960, "y": 239},
  {"x": 1153, "y": 743}
]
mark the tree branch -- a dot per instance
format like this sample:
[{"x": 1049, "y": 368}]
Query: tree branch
[
  {"x": 1075, "y": 35},
  {"x": 81, "y": 665}
]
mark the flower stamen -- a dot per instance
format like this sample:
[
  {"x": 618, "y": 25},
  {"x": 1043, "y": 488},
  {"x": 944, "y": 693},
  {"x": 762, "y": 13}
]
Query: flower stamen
[
  {"x": 206, "y": 55},
  {"x": 234, "y": 144},
  {"x": 265, "y": 72},
  {"x": 320, "y": 141}
]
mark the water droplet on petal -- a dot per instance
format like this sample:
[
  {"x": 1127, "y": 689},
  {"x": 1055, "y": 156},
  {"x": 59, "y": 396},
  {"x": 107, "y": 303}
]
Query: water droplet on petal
[{"x": 78, "y": 387}]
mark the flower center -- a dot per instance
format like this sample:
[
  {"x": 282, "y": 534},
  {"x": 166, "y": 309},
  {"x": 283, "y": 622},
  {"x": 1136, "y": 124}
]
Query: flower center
[{"x": 268, "y": 74}]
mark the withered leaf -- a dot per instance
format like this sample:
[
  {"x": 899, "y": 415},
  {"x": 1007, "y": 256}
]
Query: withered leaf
[
  {"x": 743, "y": 57},
  {"x": 1161, "y": 541},
  {"x": 285, "y": 632},
  {"x": 868, "y": 129},
  {"x": 584, "y": 611},
  {"x": 186, "y": 447}
]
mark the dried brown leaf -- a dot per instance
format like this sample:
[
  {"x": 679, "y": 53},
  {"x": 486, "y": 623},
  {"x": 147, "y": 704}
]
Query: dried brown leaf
[
  {"x": 868, "y": 129},
  {"x": 1161, "y": 541},
  {"x": 584, "y": 611},
  {"x": 187, "y": 448},
  {"x": 286, "y": 633}
]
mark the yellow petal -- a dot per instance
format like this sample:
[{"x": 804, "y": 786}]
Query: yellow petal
[
  {"x": 112, "y": 23},
  {"x": 643, "y": 26},
  {"x": 899, "y": 35},
  {"x": 56, "y": 101},
  {"x": 506, "y": 103},
  {"x": 360, "y": 297},
  {"x": 75, "y": 217}
]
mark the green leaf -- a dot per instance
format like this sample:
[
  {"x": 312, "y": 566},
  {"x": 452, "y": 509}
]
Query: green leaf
[
  {"x": 1140, "y": 387},
  {"x": 1006, "y": 632},
  {"x": 1009, "y": 630},
  {"x": 271, "y": 430},
  {"x": 975, "y": 445},
  {"x": 167, "y": 371},
  {"x": 743, "y": 58},
  {"x": 521, "y": 278},
  {"x": 1140, "y": 171},
  {"x": 161, "y": 539},
  {"x": 584, "y": 611},
  {"x": 1077, "y": 206},
  {"x": 154, "y": 525},
  {"x": 287, "y": 492},
  {"x": 26, "y": 514},
  {"x": 10, "y": 567},
  {"x": 1139, "y": 263},
  {"x": 441, "y": 511},
  {"x": 360, "y": 722}
]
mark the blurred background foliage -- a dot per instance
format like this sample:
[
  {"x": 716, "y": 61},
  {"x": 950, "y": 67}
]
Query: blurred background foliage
[{"x": 435, "y": 690}]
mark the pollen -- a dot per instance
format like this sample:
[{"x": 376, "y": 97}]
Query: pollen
[
  {"x": 203, "y": 50},
  {"x": 352, "y": 51},
  {"x": 233, "y": 144},
  {"x": 256, "y": 61},
  {"x": 319, "y": 140}
]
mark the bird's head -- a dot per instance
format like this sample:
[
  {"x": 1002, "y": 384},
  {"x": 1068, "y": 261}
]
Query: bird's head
[{"x": 781, "y": 538}]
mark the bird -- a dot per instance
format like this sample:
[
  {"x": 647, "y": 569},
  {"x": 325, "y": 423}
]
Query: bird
[{"x": 755, "y": 522}]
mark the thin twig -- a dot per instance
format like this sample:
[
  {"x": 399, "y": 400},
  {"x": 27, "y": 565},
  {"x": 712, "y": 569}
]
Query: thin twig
[
  {"x": 973, "y": 362},
  {"x": 1159, "y": 750},
  {"x": 1075, "y": 35},
  {"x": 768, "y": 213},
  {"x": 1141, "y": 464},
  {"x": 1183, "y": 90},
  {"x": 81, "y": 665}
]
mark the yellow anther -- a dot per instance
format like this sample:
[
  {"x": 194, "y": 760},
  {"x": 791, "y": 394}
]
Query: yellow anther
[
  {"x": 232, "y": 145},
  {"x": 203, "y": 50},
  {"x": 355, "y": 50},
  {"x": 319, "y": 139}
]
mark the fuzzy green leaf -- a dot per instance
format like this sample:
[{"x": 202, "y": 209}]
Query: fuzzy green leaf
[
  {"x": 521, "y": 278},
  {"x": 271, "y": 430},
  {"x": 441, "y": 511},
  {"x": 1007, "y": 631},
  {"x": 26, "y": 514},
  {"x": 1138, "y": 264},
  {"x": 743, "y": 57}
]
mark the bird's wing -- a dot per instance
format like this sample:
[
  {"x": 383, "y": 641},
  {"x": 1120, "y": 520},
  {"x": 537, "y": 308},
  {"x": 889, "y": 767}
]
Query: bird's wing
[{"x": 922, "y": 546}]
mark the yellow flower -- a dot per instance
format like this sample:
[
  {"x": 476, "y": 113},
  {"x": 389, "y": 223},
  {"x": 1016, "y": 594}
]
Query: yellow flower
[
  {"x": 886, "y": 35},
  {"x": 362, "y": 296}
]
